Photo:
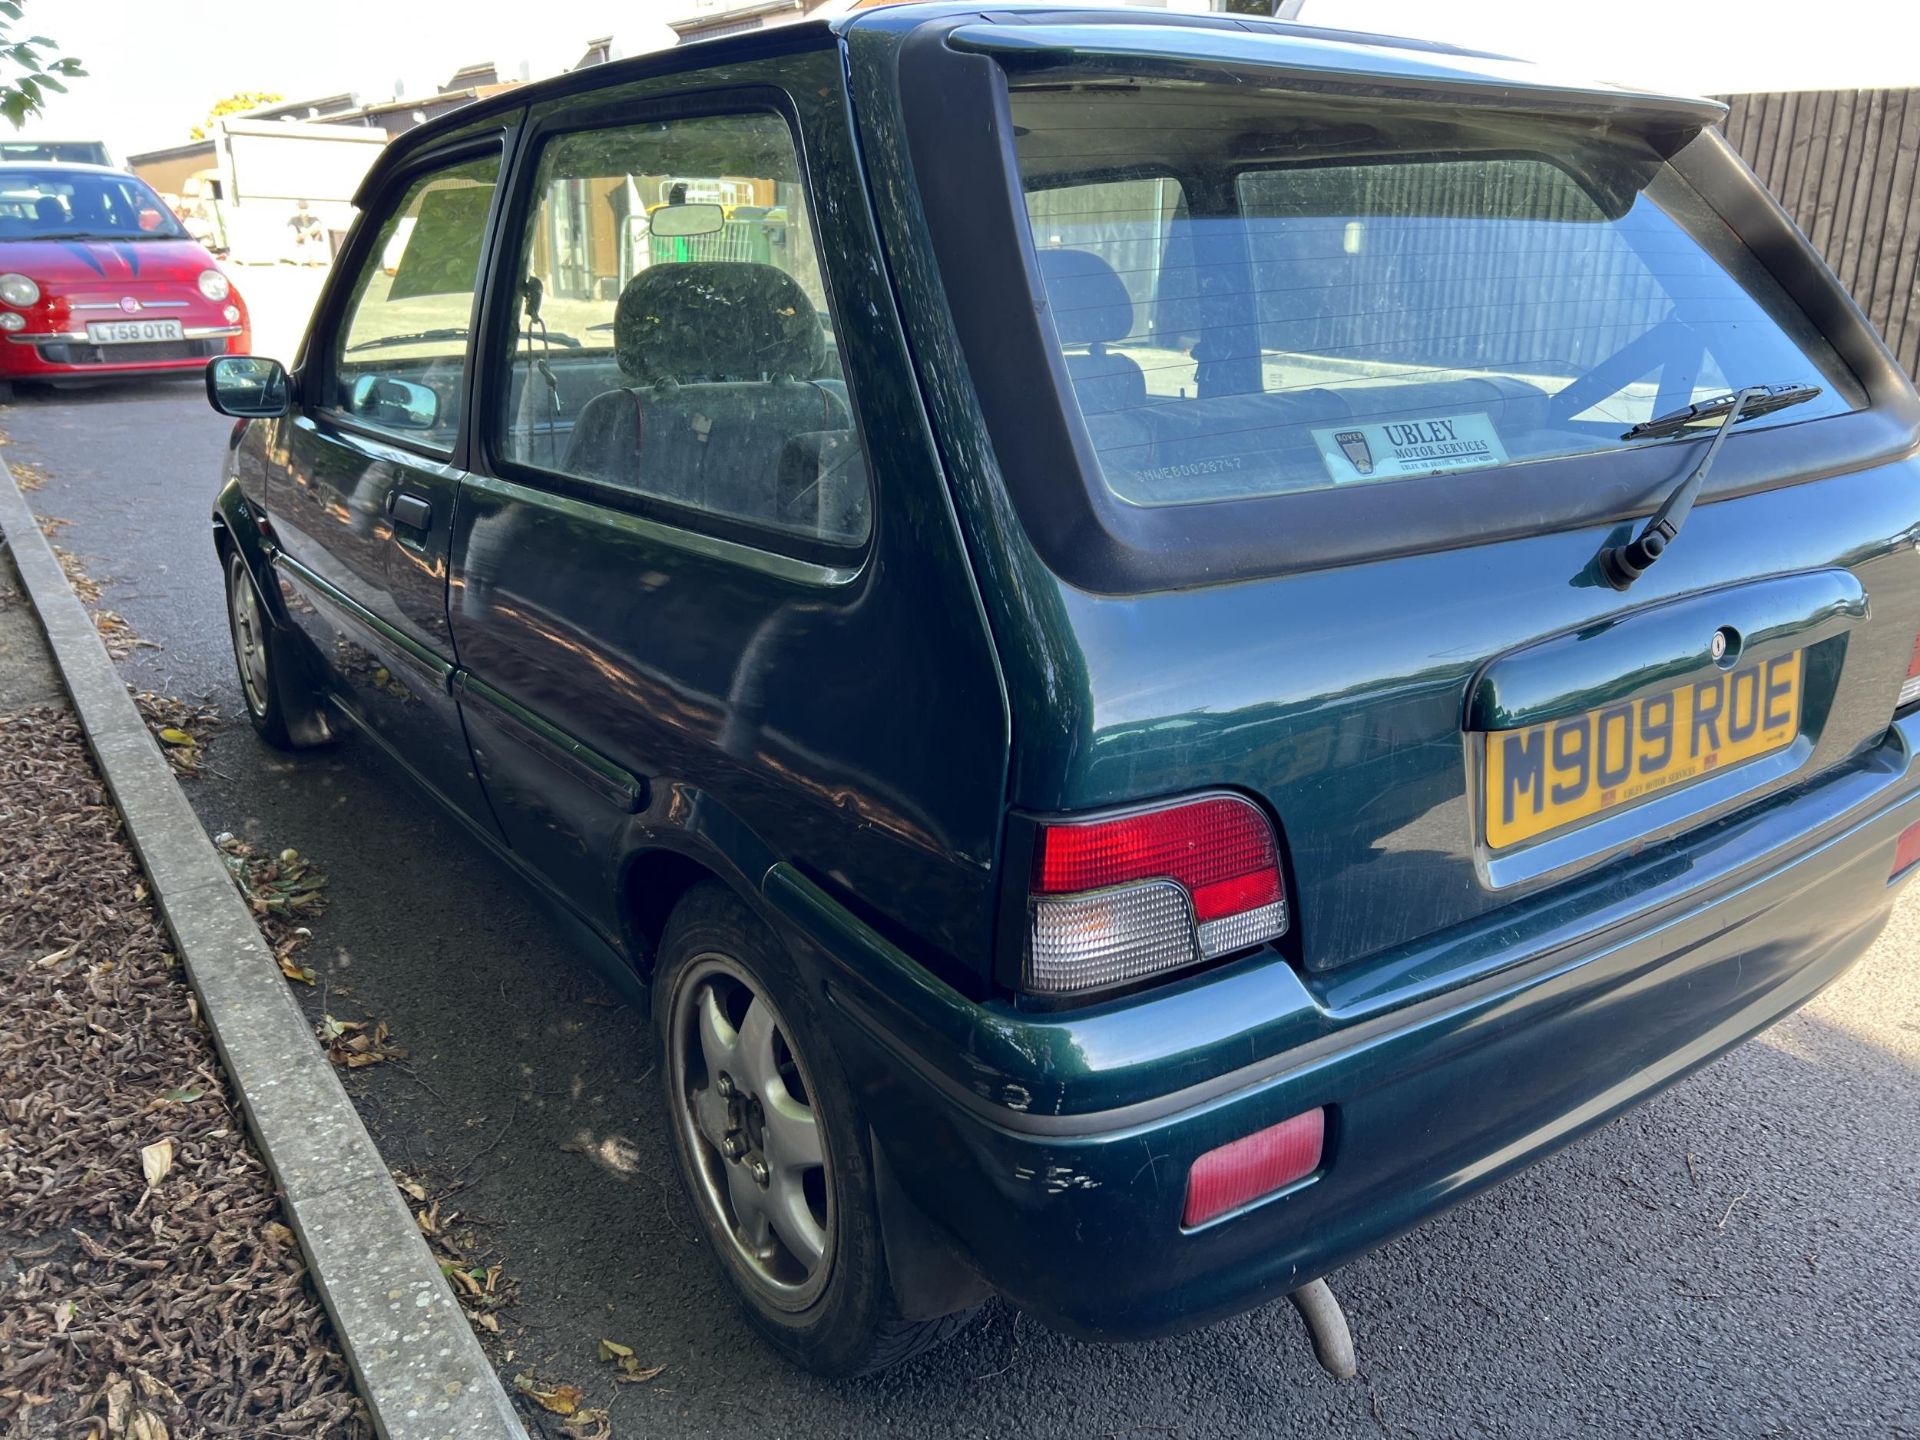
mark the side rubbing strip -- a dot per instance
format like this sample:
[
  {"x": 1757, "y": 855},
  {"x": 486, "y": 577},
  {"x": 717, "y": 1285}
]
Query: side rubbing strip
[{"x": 586, "y": 765}]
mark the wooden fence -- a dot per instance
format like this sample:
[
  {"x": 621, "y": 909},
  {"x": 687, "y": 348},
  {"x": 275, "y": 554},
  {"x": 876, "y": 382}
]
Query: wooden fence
[{"x": 1844, "y": 163}]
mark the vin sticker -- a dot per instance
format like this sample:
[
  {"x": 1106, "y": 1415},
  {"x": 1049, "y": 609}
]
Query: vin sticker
[{"x": 1395, "y": 449}]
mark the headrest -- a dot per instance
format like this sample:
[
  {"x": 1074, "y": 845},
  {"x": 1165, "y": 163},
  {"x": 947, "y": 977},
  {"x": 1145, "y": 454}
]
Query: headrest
[
  {"x": 713, "y": 320},
  {"x": 1090, "y": 304}
]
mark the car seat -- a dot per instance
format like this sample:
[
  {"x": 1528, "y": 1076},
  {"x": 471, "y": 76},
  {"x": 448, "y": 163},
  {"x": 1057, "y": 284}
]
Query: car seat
[
  {"x": 723, "y": 356},
  {"x": 1091, "y": 307}
]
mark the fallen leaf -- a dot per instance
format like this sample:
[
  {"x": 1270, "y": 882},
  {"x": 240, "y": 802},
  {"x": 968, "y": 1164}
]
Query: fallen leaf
[
  {"x": 589, "y": 1425},
  {"x": 155, "y": 1160},
  {"x": 185, "y": 1095},
  {"x": 489, "y": 1323},
  {"x": 154, "y": 1389},
  {"x": 64, "y": 953},
  {"x": 175, "y": 736},
  {"x": 611, "y": 1350},
  {"x": 561, "y": 1400},
  {"x": 461, "y": 1279},
  {"x": 277, "y": 1233},
  {"x": 412, "y": 1187},
  {"x": 62, "y": 1317},
  {"x": 119, "y": 1401},
  {"x": 292, "y": 969},
  {"x": 631, "y": 1372},
  {"x": 352, "y": 1044}
]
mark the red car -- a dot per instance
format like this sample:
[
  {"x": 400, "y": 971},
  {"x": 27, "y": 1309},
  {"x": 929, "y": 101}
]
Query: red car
[{"x": 98, "y": 278}]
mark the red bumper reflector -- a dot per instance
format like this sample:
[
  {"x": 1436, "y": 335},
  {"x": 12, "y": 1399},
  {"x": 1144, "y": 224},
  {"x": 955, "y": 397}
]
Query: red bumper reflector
[
  {"x": 1907, "y": 851},
  {"x": 1255, "y": 1165}
]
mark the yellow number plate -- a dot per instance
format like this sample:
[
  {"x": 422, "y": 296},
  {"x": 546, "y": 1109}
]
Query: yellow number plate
[{"x": 1548, "y": 776}]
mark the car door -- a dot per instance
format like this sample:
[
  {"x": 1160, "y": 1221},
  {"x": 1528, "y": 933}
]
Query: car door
[
  {"x": 676, "y": 621},
  {"x": 364, "y": 498}
]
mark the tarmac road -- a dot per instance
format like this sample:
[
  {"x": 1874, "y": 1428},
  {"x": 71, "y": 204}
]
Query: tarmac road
[{"x": 1736, "y": 1258}]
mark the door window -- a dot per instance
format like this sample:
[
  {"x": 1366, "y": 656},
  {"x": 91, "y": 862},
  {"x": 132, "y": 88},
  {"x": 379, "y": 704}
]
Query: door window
[
  {"x": 675, "y": 342},
  {"x": 398, "y": 363}
]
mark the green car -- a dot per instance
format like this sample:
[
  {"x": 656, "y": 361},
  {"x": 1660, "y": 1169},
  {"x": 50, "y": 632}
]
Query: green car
[{"x": 1171, "y": 641}]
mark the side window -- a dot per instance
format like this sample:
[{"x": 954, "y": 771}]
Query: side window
[
  {"x": 675, "y": 340},
  {"x": 398, "y": 361}
]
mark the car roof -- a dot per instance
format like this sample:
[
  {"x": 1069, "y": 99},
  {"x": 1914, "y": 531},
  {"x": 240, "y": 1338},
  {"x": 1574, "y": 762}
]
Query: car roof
[
  {"x": 62, "y": 165},
  {"x": 1280, "y": 44}
]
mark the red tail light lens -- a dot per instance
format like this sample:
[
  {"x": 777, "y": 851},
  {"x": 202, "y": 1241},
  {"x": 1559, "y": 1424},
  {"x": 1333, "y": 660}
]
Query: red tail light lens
[
  {"x": 1255, "y": 1165},
  {"x": 1120, "y": 899}
]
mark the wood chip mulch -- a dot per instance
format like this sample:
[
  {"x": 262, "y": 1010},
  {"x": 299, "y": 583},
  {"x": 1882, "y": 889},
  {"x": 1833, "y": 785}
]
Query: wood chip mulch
[{"x": 159, "y": 1309}]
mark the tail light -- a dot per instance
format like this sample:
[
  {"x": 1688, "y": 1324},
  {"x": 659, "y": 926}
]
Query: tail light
[
  {"x": 1910, "y": 689},
  {"x": 1127, "y": 897}
]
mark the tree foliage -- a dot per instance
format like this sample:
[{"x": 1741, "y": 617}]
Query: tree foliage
[
  {"x": 236, "y": 104},
  {"x": 30, "y": 69}
]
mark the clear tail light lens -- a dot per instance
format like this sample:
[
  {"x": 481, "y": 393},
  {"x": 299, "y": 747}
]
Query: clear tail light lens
[
  {"x": 1910, "y": 690},
  {"x": 1121, "y": 899}
]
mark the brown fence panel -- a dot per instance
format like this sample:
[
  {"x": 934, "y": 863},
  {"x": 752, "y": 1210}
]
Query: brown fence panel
[{"x": 1844, "y": 164}]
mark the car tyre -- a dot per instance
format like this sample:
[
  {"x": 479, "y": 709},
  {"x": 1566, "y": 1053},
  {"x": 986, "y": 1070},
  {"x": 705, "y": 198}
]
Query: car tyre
[
  {"x": 255, "y": 655},
  {"x": 774, "y": 1158}
]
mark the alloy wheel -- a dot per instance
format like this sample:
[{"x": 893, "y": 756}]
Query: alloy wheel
[
  {"x": 751, "y": 1132},
  {"x": 249, "y": 634}
]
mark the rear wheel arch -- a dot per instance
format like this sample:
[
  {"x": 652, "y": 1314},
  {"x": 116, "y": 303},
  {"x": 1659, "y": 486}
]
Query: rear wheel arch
[{"x": 652, "y": 884}]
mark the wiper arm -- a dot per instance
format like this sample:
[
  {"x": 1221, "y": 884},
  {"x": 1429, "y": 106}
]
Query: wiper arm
[
  {"x": 1624, "y": 564},
  {"x": 417, "y": 337},
  {"x": 1766, "y": 399}
]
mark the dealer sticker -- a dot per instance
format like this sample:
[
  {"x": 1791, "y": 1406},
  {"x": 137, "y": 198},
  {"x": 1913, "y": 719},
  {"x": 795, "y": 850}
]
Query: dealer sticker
[{"x": 1398, "y": 448}]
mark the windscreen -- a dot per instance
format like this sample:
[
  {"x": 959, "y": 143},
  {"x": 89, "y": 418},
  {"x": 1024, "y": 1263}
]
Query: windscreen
[
  {"x": 1256, "y": 294},
  {"x": 40, "y": 204}
]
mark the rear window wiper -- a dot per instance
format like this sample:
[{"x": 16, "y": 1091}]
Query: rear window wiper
[
  {"x": 1624, "y": 564},
  {"x": 1767, "y": 399}
]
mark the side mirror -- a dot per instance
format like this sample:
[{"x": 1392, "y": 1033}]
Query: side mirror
[
  {"x": 396, "y": 404},
  {"x": 247, "y": 387},
  {"x": 677, "y": 222}
]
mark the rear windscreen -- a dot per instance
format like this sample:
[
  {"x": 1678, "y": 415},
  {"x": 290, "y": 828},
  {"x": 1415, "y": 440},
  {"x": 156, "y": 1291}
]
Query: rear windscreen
[{"x": 1262, "y": 294}]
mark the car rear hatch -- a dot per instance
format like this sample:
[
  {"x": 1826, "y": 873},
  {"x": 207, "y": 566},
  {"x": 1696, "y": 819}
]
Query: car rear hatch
[{"x": 1313, "y": 371}]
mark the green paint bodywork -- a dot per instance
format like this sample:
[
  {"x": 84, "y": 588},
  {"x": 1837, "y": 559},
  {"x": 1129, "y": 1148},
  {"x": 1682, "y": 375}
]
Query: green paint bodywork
[{"x": 616, "y": 700}]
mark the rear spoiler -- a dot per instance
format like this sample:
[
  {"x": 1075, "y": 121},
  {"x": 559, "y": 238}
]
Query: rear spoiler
[{"x": 1323, "y": 60}]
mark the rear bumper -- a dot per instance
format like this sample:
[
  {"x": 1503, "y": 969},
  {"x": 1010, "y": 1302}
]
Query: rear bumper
[{"x": 1440, "y": 1081}]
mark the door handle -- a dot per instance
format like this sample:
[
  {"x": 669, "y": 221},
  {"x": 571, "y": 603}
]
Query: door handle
[{"x": 413, "y": 511}]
